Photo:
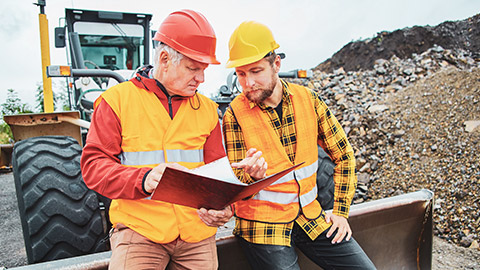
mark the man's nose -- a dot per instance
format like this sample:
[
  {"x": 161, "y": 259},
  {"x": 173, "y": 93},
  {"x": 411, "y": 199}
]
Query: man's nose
[
  {"x": 249, "y": 81},
  {"x": 200, "y": 76}
]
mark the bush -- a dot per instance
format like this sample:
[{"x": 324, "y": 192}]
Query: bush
[
  {"x": 12, "y": 105},
  {"x": 6, "y": 136}
]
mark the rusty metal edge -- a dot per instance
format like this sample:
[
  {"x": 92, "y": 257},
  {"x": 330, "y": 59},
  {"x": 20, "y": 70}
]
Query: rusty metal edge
[
  {"x": 6, "y": 157},
  {"x": 391, "y": 202},
  {"x": 29, "y": 125},
  {"x": 31, "y": 119}
]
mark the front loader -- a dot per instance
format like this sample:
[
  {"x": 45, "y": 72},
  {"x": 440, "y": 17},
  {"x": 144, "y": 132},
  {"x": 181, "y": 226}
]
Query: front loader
[{"x": 60, "y": 216}]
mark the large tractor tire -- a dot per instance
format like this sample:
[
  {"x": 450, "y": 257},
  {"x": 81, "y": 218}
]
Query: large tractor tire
[
  {"x": 325, "y": 182},
  {"x": 60, "y": 216}
]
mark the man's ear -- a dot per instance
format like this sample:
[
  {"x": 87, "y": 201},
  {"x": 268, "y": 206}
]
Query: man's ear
[
  {"x": 164, "y": 59},
  {"x": 277, "y": 63}
]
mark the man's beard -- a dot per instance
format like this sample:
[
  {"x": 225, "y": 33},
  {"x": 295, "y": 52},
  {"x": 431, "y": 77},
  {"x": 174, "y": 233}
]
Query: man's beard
[{"x": 259, "y": 95}]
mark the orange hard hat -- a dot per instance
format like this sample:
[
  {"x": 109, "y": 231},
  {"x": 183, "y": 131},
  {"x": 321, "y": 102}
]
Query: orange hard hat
[{"x": 189, "y": 33}]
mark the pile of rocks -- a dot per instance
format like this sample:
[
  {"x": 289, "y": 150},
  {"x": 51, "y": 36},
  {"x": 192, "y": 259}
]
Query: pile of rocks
[
  {"x": 435, "y": 149},
  {"x": 403, "y": 43},
  {"x": 404, "y": 119}
]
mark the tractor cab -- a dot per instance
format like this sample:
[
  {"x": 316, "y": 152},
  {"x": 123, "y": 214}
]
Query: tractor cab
[{"x": 102, "y": 40}]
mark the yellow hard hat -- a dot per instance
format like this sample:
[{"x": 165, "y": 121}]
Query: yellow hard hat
[{"x": 250, "y": 42}]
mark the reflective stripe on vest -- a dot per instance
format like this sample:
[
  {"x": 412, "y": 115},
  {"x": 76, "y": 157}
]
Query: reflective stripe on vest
[
  {"x": 288, "y": 177},
  {"x": 195, "y": 155},
  {"x": 309, "y": 197},
  {"x": 276, "y": 197},
  {"x": 306, "y": 171},
  {"x": 287, "y": 198},
  {"x": 142, "y": 158},
  {"x": 156, "y": 157}
]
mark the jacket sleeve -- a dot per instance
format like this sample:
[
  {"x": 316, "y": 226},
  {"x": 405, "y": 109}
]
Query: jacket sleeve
[
  {"x": 101, "y": 168},
  {"x": 235, "y": 145},
  {"x": 332, "y": 138},
  {"x": 213, "y": 148}
]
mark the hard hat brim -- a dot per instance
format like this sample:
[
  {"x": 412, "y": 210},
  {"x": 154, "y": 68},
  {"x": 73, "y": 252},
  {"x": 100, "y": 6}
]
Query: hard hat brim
[{"x": 247, "y": 60}]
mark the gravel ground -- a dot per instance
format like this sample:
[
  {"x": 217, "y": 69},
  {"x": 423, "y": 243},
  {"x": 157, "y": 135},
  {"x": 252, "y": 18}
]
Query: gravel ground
[
  {"x": 12, "y": 249},
  {"x": 446, "y": 256}
]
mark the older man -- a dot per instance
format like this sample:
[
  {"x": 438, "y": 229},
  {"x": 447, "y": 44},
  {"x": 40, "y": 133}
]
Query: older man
[{"x": 140, "y": 127}]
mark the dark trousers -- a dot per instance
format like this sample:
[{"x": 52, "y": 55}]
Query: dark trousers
[{"x": 344, "y": 255}]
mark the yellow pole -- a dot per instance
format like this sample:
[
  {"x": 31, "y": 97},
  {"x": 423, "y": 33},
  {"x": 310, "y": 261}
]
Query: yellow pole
[{"x": 45, "y": 50}]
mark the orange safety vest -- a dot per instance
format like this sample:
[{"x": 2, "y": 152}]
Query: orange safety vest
[
  {"x": 281, "y": 201},
  {"x": 151, "y": 137}
]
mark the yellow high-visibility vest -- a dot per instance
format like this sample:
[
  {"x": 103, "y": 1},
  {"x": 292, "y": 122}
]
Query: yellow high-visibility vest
[{"x": 151, "y": 137}]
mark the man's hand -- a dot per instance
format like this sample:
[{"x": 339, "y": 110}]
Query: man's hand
[
  {"x": 253, "y": 164},
  {"x": 156, "y": 174},
  {"x": 215, "y": 218},
  {"x": 340, "y": 224}
]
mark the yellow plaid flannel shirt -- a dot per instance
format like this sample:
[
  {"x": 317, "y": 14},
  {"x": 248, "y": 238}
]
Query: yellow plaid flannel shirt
[{"x": 333, "y": 140}]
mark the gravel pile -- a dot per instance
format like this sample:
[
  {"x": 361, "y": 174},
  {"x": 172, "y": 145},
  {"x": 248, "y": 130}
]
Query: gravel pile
[
  {"x": 361, "y": 54},
  {"x": 412, "y": 125},
  {"x": 433, "y": 148}
]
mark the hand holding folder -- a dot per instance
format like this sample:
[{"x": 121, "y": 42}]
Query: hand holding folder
[{"x": 212, "y": 186}]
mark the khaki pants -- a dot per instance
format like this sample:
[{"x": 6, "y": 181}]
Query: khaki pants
[{"x": 131, "y": 250}]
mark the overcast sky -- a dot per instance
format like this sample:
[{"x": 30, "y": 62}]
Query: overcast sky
[{"x": 309, "y": 32}]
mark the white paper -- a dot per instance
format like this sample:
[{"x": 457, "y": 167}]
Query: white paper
[{"x": 219, "y": 169}]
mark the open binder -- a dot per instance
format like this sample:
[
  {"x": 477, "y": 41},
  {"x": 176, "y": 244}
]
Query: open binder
[{"x": 199, "y": 189}]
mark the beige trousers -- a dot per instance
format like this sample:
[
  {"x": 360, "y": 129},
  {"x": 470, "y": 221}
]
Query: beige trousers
[{"x": 130, "y": 250}]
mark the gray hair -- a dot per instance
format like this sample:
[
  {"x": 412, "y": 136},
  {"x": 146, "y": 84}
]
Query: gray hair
[{"x": 174, "y": 55}]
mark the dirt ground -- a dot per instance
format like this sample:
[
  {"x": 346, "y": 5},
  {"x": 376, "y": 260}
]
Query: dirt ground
[
  {"x": 12, "y": 252},
  {"x": 446, "y": 256}
]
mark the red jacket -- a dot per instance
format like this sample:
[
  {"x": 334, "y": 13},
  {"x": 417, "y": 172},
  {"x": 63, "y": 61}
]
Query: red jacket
[{"x": 101, "y": 168}]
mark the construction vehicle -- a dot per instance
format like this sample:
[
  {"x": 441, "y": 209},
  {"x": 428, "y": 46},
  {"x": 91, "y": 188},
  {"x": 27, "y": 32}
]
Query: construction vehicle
[
  {"x": 65, "y": 225},
  {"x": 60, "y": 217}
]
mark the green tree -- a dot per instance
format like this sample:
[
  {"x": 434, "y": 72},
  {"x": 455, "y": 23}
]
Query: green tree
[
  {"x": 39, "y": 99},
  {"x": 60, "y": 98},
  {"x": 14, "y": 105}
]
